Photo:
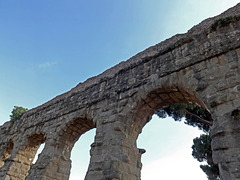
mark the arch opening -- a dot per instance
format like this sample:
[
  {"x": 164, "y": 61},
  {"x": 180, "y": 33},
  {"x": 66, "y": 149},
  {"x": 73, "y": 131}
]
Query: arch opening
[
  {"x": 23, "y": 154},
  {"x": 41, "y": 147},
  {"x": 159, "y": 99},
  {"x": 168, "y": 149},
  {"x": 154, "y": 101},
  {"x": 76, "y": 134},
  {"x": 55, "y": 159},
  {"x": 80, "y": 155},
  {"x": 33, "y": 148}
]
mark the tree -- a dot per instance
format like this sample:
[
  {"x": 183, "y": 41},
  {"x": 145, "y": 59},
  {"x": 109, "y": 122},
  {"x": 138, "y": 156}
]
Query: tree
[
  {"x": 201, "y": 150},
  {"x": 17, "y": 113},
  {"x": 195, "y": 116}
]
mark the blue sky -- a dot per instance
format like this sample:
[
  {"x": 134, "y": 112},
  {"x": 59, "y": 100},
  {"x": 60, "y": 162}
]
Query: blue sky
[{"x": 48, "y": 47}]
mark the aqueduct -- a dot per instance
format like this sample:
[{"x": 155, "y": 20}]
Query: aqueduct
[{"x": 201, "y": 66}]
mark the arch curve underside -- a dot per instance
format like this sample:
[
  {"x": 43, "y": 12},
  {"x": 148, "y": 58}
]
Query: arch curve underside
[{"x": 201, "y": 66}]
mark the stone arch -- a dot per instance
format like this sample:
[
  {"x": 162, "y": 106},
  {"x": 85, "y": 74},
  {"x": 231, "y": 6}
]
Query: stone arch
[
  {"x": 157, "y": 100},
  {"x": 72, "y": 131},
  {"x": 118, "y": 131},
  {"x": 54, "y": 160},
  {"x": 20, "y": 156},
  {"x": 161, "y": 91},
  {"x": 216, "y": 90},
  {"x": 154, "y": 101}
]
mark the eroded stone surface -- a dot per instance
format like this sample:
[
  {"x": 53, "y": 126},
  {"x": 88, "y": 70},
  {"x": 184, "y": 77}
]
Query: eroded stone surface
[{"x": 201, "y": 66}]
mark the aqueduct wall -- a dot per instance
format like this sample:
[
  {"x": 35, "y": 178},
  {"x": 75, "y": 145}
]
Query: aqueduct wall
[{"x": 201, "y": 66}]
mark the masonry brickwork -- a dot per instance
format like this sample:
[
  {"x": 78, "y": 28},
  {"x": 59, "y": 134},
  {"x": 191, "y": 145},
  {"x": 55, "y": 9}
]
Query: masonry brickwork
[{"x": 201, "y": 66}]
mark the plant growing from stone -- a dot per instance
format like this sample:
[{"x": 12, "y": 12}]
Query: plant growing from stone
[{"x": 16, "y": 114}]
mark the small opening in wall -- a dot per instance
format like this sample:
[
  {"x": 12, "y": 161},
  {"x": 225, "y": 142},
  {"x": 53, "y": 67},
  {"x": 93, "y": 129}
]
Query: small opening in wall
[
  {"x": 36, "y": 144},
  {"x": 38, "y": 153},
  {"x": 235, "y": 113}
]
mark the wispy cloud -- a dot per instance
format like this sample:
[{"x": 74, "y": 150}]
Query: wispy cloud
[{"x": 46, "y": 65}]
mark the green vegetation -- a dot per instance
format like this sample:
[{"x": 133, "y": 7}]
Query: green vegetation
[
  {"x": 197, "y": 117},
  {"x": 224, "y": 21},
  {"x": 17, "y": 113},
  {"x": 201, "y": 150}
]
